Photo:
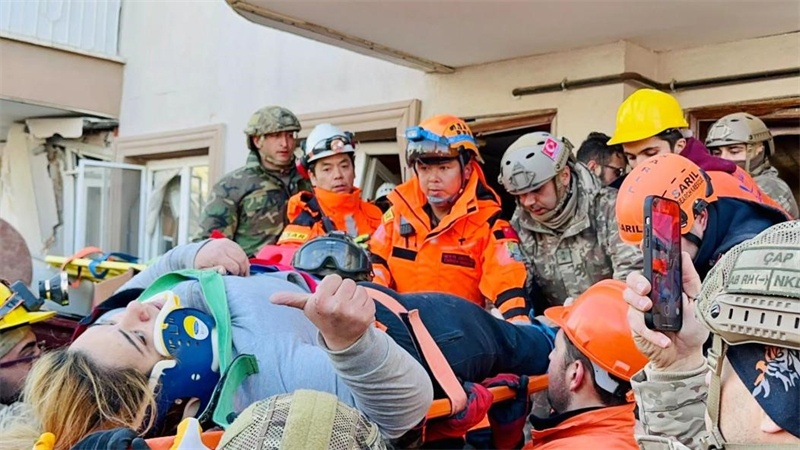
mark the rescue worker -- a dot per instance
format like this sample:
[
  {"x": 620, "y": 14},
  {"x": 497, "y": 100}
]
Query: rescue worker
[
  {"x": 713, "y": 219},
  {"x": 19, "y": 348},
  {"x": 651, "y": 122},
  {"x": 335, "y": 203},
  {"x": 589, "y": 374},
  {"x": 443, "y": 232},
  {"x": 745, "y": 140},
  {"x": 606, "y": 162},
  {"x": 248, "y": 205},
  {"x": 381, "y": 200},
  {"x": 564, "y": 217},
  {"x": 746, "y": 393}
]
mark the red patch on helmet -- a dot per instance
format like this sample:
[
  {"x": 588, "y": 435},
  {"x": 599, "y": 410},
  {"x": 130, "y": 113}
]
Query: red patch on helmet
[{"x": 550, "y": 148}]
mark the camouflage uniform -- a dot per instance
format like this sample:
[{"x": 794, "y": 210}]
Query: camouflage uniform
[
  {"x": 589, "y": 250},
  {"x": 767, "y": 179},
  {"x": 672, "y": 408},
  {"x": 249, "y": 204}
]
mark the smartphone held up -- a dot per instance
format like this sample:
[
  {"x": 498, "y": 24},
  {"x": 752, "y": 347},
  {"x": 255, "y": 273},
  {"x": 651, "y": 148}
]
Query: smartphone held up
[{"x": 662, "y": 263}]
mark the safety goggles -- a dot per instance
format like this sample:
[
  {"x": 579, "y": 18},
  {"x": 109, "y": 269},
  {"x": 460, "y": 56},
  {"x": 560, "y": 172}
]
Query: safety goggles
[
  {"x": 332, "y": 253},
  {"x": 335, "y": 144}
]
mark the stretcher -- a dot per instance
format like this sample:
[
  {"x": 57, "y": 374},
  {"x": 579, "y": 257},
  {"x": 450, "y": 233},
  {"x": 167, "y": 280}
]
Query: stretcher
[
  {"x": 93, "y": 265},
  {"x": 441, "y": 407}
]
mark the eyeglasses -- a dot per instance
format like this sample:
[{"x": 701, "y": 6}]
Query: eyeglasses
[
  {"x": 618, "y": 171},
  {"x": 25, "y": 359}
]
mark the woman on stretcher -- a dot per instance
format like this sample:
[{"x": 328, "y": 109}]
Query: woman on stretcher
[{"x": 206, "y": 345}]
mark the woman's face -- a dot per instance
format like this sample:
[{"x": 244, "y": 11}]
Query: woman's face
[{"x": 125, "y": 339}]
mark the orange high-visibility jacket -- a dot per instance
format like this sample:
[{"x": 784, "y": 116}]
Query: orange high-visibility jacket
[
  {"x": 742, "y": 186},
  {"x": 347, "y": 212},
  {"x": 471, "y": 253},
  {"x": 610, "y": 427}
]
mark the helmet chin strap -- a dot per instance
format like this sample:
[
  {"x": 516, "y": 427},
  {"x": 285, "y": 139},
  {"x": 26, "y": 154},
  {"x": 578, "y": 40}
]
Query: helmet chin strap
[
  {"x": 693, "y": 238},
  {"x": 452, "y": 199}
]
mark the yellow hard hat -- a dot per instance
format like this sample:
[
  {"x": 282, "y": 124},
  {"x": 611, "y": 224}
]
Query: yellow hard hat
[
  {"x": 646, "y": 113},
  {"x": 17, "y": 315}
]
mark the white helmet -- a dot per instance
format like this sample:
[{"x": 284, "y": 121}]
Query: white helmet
[
  {"x": 327, "y": 140},
  {"x": 384, "y": 189}
]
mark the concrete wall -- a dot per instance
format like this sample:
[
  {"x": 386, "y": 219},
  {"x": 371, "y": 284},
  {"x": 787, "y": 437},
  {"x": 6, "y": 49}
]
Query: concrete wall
[
  {"x": 754, "y": 55},
  {"x": 189, "y": 67},
  {"x": 53, "y": 77},
  {"x": 193, "y": 66},
  {"x": 486, "y": 89}
]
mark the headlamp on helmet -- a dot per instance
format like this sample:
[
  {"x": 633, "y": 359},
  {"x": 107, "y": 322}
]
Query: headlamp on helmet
[{"x": 19, "y": 306}]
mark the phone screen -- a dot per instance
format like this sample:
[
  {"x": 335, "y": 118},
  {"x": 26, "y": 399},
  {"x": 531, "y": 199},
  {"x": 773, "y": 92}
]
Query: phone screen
[{"x": 663, "y": 249}]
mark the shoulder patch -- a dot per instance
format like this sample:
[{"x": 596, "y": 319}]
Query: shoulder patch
[
  {"x": 506, "y": 232},
  {"x": 388, "y": 215},
  {"x": 515, "y": 251},
  {"x": 293, "y": 236}
]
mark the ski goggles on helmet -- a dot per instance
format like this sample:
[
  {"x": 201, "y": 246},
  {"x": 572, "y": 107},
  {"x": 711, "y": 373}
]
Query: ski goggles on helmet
[
  {"x": 334, "y": 251},
  {"x": 187, "y": 337},
  {"x": 424, "y": 144}
]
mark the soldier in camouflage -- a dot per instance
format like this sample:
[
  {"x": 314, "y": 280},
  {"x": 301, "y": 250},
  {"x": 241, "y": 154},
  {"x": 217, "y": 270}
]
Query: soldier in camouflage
[
  {"x": 565, "y": 219},
  {"x": 745, "y": 139},
  {"x": 747, "y": 392},
  {"x": 249, "y": 204}
]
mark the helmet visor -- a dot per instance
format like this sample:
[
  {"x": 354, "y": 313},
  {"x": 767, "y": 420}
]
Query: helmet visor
[{"x": 331, "y": 253}]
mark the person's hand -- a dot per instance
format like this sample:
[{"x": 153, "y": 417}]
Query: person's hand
[
  {"x": 668, "y": 352},
  {"x": 115, "y": 439},
  {"x": 224, "y": 256},
  {"x": 507, "y": 418},
  {"x": 341, "y": 310}
]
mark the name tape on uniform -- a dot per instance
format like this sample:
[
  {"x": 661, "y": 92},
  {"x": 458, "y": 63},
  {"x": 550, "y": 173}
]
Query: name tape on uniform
[{"x": 759, "y": 270}]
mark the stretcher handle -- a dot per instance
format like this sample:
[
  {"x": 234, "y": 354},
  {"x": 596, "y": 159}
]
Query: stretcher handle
[{"x": 441, "y": 407}]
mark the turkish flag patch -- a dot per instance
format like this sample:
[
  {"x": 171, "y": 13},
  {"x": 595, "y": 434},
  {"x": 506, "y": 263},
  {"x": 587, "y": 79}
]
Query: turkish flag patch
[
  {"x": 506, "y": 232},
  {"x": 550, "y": 148}
]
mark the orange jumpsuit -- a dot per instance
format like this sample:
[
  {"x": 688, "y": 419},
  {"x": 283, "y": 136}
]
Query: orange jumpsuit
[
  {"x": 347, "y": 212},
  {"x": 471, "y": 253}
]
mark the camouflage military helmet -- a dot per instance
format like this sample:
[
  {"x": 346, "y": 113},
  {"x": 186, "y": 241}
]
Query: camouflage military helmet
[
  {"x": 740, "y": 128},
  {"x": 271, "y": 119},
  {"x": 751, "y": 303},
  {"x": 532, "y": 160}
]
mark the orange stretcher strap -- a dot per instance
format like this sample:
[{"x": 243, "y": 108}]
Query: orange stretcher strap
[
  {"x": 441, "y": 407},
  {"x": 440, "y": 368},
  {"x": 82, "y": 253}
]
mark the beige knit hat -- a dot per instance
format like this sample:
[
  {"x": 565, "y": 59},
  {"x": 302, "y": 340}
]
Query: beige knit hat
[{"x": 307, "y": 420}]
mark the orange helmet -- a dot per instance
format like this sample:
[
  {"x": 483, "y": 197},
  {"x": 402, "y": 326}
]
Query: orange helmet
[
  {"x": 670, "y": 176},
  {"x": 440, "y": 136},
  {"x": 597, "y": 324}
]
